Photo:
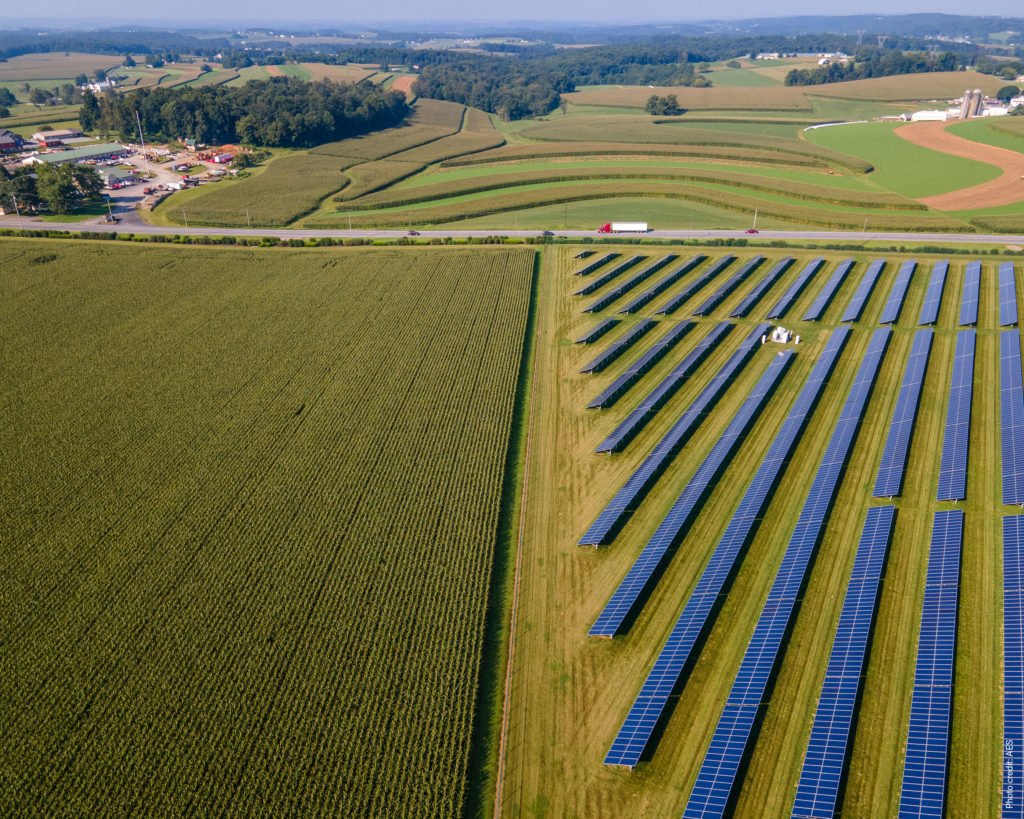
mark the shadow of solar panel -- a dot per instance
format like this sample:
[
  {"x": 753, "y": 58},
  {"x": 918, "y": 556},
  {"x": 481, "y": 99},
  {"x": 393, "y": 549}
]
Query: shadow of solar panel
[
  {"x": 829, "y": 290},
  {"x": 891, "y": 311},
  {"x": 765, "y": 649},
  {"x": 595, "y": 332},
  {"x": 863, "y": 292},
  {"x": 671, "y": 443},
  {"x": 639, "y": 578},
  {"x": 679, "y": 649},
  {"x": 972, "y": 291},
  {"x": 619, "y": 347},
  {"x": 889, "y": 481},
  {"x": 1011, "y": 392},
  {"x": 639, "y": 367},
  {"x": 1007, "y": 295},
  {"x": 924, "y": 773},
  {"x": 933, "y": 296},
  {"x": 584, "y": 254},
  {"x": 654, "y": 401},
  {"x": 663, "y": 284},
  {"x": 795, "y": 289},
  {"x": 596, "y": 263},
  {"x": 754, "y": 296},
  {"x": 730, "y": 284},
  {"x": 629, "y": 284},
  {"x": 953, "y": 467},
  {"x": 604, "y": 278},
  {"x": 687, "y": 292},
  {"x": 823, "y": 765},
  {"x": 1013, "y": 666}
]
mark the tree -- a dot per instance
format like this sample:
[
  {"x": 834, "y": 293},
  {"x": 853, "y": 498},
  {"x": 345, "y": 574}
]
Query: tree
[
  {"x": 734, "y": 64},
  {"x": 667, "y": 106},
  {"x": 7, "y": 98},
  {"x": 128, "y": 61},
  {"x": 61, "y": 186},
  {"x": 89, "y": 114},
  {"x": 702, "y": 82},
  {"x": 564, "y": 105},
  {"x": 1007, "y": 93},
  {"x": 24, "y": 88},
  {"x": 100, "y": 75},
  {"x": 204, "y": 68},
  {"x": 36, "y": 96},
  {"x": 703, "y": 68},
  {"x": 67, "y": 93},
  {"x": 4, "y": 112},
  {"x": 1008, "y": 73},
  {"x": 81, "y": 80}
]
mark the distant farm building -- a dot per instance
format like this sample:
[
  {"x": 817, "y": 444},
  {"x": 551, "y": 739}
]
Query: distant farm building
[
  {"x": 89, "y": 152},
  {"x": 9, "y": 141}
]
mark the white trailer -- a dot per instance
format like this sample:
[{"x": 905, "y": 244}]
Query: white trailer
[{"x": 623, "y": 227}]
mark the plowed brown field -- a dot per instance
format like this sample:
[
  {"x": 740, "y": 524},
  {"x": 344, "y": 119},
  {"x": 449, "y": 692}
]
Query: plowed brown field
[{"x": 1006, "y": 190}]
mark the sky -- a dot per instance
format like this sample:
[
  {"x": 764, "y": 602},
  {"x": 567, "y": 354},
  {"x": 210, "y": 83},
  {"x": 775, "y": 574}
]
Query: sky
[{"x": 407, "y": 13}]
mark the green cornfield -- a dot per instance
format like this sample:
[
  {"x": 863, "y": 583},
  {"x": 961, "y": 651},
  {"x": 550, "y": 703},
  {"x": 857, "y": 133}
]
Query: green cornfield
[{"x": 249, "y": 503}]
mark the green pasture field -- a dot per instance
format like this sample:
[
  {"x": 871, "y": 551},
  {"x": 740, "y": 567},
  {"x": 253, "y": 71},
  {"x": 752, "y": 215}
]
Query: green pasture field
[
  {"x": 902, "y": 166},
  {"x": 766, "y": 128},
  {"x": 740, "y": 78},
  {"x": 978, "y": 131},
  {"x": 570, "y": 693},
  {"x": 37, "y": 68},
  {"x": 263, "y": 574},
  {"x": 253, "y": 72},
  {"x": 296, "y": 71},
  {"x": 56, "y": 122}
]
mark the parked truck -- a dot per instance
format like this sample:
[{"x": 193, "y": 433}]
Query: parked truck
[
  {"x": 623, "y": 227},
  {"x": 221, "y": 159}
]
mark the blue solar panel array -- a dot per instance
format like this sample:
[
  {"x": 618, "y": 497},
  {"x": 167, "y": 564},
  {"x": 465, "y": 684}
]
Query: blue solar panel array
[
  {"x": 925, "y": 768},
  {"x": 889, "y": 482},
  {"x": 731, "y": 284},
  {"x": 684, "y": 510},
  {"x": 953, "y": 468},
  {"x": 679, "y": 650},
  {"x": 654, "y": 401},
  {"x": 972, "y": 290},
  {"x": 596, "y": 263},
  {"x": 1007, "y": 295},
  {"x": 795, "y": 289},
  {"x": 717, "y": 776},
  {"x": 755, "y": 295},
  {"x": 829, "y": 290},
  {"x": 584, "y": 253},
  {"x": 619, "y": 347},
  {"x": 1013, "y": 667},
  {"x": 629, "y": 284},
  {"x": 1011, "y": 393},
  {"x": 933, "y": 298},
  {"x": 891, "y": 311},
  {"x": 662, "y": 454},
  {"x": 680, "y": 299},
  {"x": 604, "y": 278},
  {"x": 636, "y": 370},
  {"x": 664, "y": 284},
  {"x": 863, "y": 292},
  {"x": 822, "y": 770},
  {"x": 595, "y": 332}
]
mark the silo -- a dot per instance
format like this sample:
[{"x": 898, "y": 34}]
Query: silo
[
  {"x": 965, "y": 109},
  {"x": 976, "y": 102}
]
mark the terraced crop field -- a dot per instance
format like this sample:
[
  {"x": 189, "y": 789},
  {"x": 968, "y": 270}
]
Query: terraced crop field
[
  {"x": 250, "y": 504},
  {"x": 571, "y": 693}
]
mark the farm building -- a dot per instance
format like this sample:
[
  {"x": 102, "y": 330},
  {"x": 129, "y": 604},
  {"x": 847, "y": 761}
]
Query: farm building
[
  {"x": 79, "y": 154},
  {"x": 59, "y": 135},
  {"x": 9, "y": 141},
  {"x": 116, "y": 177},
  {"x": 47, "y": 139},
  {"x": 929, "y": 116}
]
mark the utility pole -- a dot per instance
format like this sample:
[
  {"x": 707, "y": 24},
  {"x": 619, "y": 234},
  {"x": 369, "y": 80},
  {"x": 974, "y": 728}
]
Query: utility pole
[
  {"x": 110, "y": 213},
  {"x": 565, "y": 216},
  {"x": 183, "y": 216},
  {"x": 881, "y": 40},
  {"x": 15, "y": 198},
  {"x": 248, "y": 224},
  {"x": 931, "y": 51},
  {"x": 350, "y": 224},
  {"x": 689, "y": 233},
  {"x": 139, "y": 121},
  {"x": 860, "y": 36},
  {"x": 517, "y": 224},
  {"x": 755, "y": 219}
]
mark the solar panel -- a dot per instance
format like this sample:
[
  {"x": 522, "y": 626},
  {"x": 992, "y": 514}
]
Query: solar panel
[
  {"x": 765, "y": 649},
  {"x": 680, "y": 299},
  {"x": 731, "y": 284},
  {"x": 795, "y": 289},
  {"x": 972, "y": 290},
  {"x": 636, "y": 370},
  {"x": 684, "y": 510},
  {"x": 1007, "y": 295},
  {"x": 595, "y": 332},
  {"x": 619, "y": 347},
  {"x": 679, "y": 650},
  {"x": 829, "y": 290},
  {"x": 674, "y": 440},
  {"x": 604, "y": 278},
  {"x": 584, "y": 254},
  {"x": 596, "y": 263},
  {"x": 825, "y": 760},
  {"x": 755, "y": 295},
  {"x": 889, "y": 481},
  {"x": 664, "y": 284},
  {"x": 1013, "y": 666},
  {"x": 953, "y": 468},
  {"x": 1011, "y": 416},
  {"x": 933, "y": 297},
  {"x": 657, "y": 397},
  {"x": 629, "y": 284},
  {"x": 863, "y": 292},
  {"x": 924, "y": 771},
  {"x": 891, "y": 311}
]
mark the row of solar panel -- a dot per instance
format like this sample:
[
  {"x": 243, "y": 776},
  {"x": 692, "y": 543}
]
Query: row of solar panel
[
  {"x": 636, "y": 370},
  {"x": 590, "y": 267},
  {"x": 1013, "y": 667},
  {"x": 604, "y": 278},
  {"x": 607, "y": 356},
  {"x": 629, "y": 284}
]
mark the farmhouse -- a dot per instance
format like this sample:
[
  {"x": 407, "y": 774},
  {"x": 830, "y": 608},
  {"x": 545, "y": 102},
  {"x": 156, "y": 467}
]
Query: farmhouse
[
  {"x": 79, "y": 154},
  {"x": 9, "y": 141},
  {"x": 47, "y": 139},
  {"x": 60, "y": 134}
]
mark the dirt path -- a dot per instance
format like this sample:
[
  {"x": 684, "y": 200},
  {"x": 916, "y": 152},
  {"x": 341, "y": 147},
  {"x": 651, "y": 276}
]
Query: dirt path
[{"x": 1006, "y": 190}]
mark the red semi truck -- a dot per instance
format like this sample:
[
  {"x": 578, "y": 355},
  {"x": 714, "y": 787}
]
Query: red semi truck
[{"x": 623, "y": 227}]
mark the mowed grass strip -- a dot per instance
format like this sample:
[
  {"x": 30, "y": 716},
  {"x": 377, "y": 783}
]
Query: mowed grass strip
[
  {"x": 477, "y": 135},
  {"x": 373, "y": 176},
  {"x": 797, "y": 190},
  {"x": 1014, "y": 126},
  {"x": 639, "y": 130},
  {"x": 482, "y": 205},
  {"x": 289, "y": 188},
  {"x": 515, "y": 153},
  {"x": 777, "y": 98}
]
